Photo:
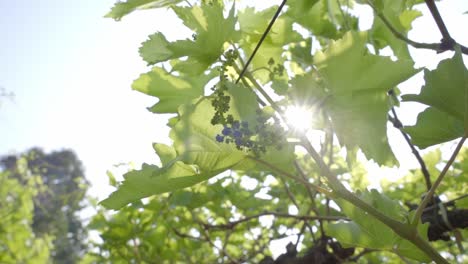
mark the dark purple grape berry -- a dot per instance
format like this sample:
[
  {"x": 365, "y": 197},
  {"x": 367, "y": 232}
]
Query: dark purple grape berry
[
  {"x": 219, "y": 138},
  {"x": 227, "y": 131},
  {"x": 237, "y": 134}
]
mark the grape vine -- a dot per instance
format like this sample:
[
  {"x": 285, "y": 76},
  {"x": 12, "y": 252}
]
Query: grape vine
[{"x": 261, "y": 62}]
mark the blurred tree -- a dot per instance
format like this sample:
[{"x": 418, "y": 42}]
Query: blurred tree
[
  {"x": 56, "y": 207},
  {"x": 18, "y": 243}
]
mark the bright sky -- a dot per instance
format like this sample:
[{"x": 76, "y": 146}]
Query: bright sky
[{"x": 71, "y": 70}]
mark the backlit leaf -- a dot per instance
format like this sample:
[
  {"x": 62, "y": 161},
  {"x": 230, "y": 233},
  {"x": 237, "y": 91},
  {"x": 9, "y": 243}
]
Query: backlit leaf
[
  {"x": 358, "y": 83},
  {"x": 446, "y": 92},
  {"x": 171, "y": 90},
  {"x": 212, "y": 30},
  {"x": 122, "y": 9}
]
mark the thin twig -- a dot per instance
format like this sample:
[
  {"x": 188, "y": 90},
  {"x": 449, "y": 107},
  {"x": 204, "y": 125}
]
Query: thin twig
[
  {"x": 244, "y": 81},
  {"x": 182, "y": 235},
  {"x": 293, "y": 200},
  {"x": 262, "y": 248},
  {"x": 432, "y": 206},
  {"x": 345, "y": 19},
  {"x": 398, "y": 125},
  {"x": 362, "y": 253},
  {"x": 231, "y": 225},
  {"x": 447, "y": 41},
  {"x": 430, "y": 193},
  {"x": 136, "y": 252},
  {"x": 290, "y": 195},
  {"x": 224, "y": 252},
  {"x": 289, "y": 175},
  {"x": 401, "y": 36},
  {"x": 206, "y": 235},
  {"x": 278, "y": 11},
  {"x": 311, "y": 195},
  {"x": 439, "y": 47}
]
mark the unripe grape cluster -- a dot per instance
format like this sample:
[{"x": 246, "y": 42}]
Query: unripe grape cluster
[
  {"x": 275, "y": 70},
  {"x": 255, "y": 136},
  {"x": 257, "y": 139}
]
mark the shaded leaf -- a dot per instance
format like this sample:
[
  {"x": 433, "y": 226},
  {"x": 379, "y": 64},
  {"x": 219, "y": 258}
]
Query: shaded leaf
[
  {"x": 446, "y": 92},
  {"x": 400, "y": 16},
  {"x": 366, "y": 231}
]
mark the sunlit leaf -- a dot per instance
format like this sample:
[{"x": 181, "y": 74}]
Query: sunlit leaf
[
  {"x": 212, "y": 30},
  {"x": 171, "y": 90},
  {"x": 122, "y": 9},
  {"x": 358, "y": 83}
]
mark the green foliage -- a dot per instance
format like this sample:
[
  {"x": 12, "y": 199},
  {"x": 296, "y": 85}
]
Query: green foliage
[
  {"x": 364, "y": 85},
  {"x": 158, "y": 82},
  {"x": 196, "y": 155},
  {"x": 400, "y": 14},
  {"x": 367, "y": 232},
  {"x": 446, "y": 92},
  {"x": 18, "y": 242},
  {"x": 56, "y": 203},
  {"x": 239, "y": 174},
  {"x": 122, "y": 9},
  {"x": 211, "y": 31}
]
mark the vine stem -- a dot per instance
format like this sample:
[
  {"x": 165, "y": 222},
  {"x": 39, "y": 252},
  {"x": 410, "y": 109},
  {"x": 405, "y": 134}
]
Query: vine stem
[
  {"x": 398, "y": 125},
  {"x": 231, "y": 225},
  {"x": 265, "y": 34},
  {"x": 446, "y": 44},
  {"x": 446, "y": 38},
  {"x": 289, "y": 175},
  {"x": 339, "y": 191},
  {"x": 406, "y": 231},
  {"x": 430, "y": 193}
]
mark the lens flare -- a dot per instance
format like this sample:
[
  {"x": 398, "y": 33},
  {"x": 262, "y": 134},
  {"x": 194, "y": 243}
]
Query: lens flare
[{"x": 299, "y": 117}]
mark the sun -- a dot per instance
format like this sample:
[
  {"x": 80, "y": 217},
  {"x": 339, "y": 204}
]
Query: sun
[{"x": 299, "y": 117}]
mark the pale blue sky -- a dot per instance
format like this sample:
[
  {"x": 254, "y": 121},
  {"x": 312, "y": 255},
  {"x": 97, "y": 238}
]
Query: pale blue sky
[{"x": 71, "y": 71}]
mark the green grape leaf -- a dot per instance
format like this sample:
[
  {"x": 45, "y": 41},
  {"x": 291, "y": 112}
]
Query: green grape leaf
[
  {"x": 171, "y": 90},
  {"x": 252, "y": 25},
  {"x": 406, "y": 248},
  {"x": 194, "y": 139},
  {"x": 212, "y": 31},
  {"x": 358, "y": 83},
  {"x": 313, "y": 15},
  {"x": 157, "y": 49},
  {"x": 442, "y": 127},
  {"x": 152, "y": 180},
  {"x": 446, "y": 92},
  {"x": 352, "y": 235},
  {"x": 366, "y": 231},
  {"x": 121, "y": 9},
  {"x": 196, "y": 155},
  {"x": 301, "y": 52},
  {"x": 166, "y": 153},
  {"x": 400, "y": 17}
]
